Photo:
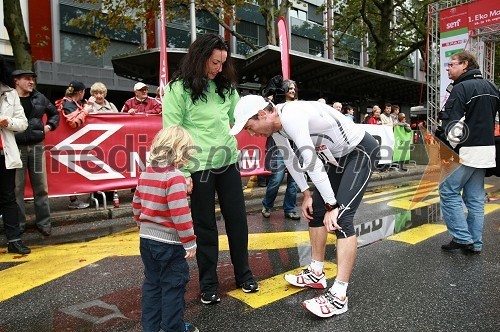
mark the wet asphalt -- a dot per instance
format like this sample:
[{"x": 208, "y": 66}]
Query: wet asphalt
[{"x": 395, "y": 286}]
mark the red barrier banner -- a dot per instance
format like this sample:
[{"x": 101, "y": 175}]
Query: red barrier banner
[{"x": 110, "y": 150}]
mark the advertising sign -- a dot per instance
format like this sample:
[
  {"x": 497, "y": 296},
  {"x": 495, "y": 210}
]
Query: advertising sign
[{"x": 453, "y": 39}]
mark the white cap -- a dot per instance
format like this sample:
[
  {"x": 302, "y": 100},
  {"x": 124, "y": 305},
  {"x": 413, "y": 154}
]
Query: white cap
[
  {"x": 139, "y": 86},
  {"x": 246, "y": 107}
]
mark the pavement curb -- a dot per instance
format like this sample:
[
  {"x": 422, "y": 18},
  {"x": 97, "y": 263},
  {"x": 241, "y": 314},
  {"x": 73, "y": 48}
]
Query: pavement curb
[{"x": 61, "y": 216}]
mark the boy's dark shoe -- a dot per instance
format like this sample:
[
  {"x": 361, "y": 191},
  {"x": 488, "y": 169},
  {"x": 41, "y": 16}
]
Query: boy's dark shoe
[
  {"x": 250, "y": 286},
  {"x": 18, "y": 247},
  {"x": 209, "y": 298},
  {"x": 455, "y": 246},
  {"x": 45, "y": 230}
]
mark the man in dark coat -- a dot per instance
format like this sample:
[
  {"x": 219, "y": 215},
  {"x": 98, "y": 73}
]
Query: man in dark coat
[{"x": 30, "y": 143}]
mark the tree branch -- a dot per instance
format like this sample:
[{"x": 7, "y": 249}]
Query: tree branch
[{"x": 232, "y": 31}]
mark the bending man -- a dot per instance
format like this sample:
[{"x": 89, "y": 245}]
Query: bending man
[{"x": 349, "y": 155}]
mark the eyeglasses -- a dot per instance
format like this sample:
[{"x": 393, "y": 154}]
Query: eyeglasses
[{"x": 451, "y": 64}]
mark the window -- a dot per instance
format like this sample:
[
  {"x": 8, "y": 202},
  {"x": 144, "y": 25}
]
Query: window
[
  {"x": 297, "y": 13},
  {"x": 316, "y": 48},
  {"x": 315, "y": 14},
  {"x": 178, "y": 38},
  {"x": 76, "y": 49},
  {"x": 75, "y": 42},
  {"x": 206, "y": 23},
  {"x": 67, "y": 13},
  {"x": 251, "y": 33}
]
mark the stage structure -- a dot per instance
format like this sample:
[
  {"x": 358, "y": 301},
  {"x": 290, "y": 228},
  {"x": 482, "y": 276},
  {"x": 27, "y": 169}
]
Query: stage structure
[{"x": 449, "y": 22}]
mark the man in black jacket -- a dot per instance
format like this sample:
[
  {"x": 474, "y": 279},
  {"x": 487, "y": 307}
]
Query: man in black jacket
[
  {"x": 467, "y": 127},
  {"x": 30, "y": 143}
]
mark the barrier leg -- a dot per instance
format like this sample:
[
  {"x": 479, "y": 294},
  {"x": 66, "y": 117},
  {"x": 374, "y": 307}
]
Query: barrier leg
[
  {"x": 104, "y": 202},
  {"x": 93, "y": 199}
]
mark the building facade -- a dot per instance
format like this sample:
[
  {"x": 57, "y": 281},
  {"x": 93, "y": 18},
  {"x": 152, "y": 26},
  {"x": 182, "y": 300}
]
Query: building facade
[{"x": 62, "y": 52}]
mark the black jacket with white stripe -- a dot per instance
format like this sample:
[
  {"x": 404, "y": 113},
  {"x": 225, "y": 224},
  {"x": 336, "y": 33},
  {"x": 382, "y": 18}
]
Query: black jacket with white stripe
[{"x": 468, "y": 119}]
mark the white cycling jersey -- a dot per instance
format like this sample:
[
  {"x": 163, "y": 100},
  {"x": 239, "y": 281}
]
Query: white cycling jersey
[{"x": 321, "y": 134}]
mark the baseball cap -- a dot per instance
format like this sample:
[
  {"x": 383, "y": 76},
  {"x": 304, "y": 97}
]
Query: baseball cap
[
  {"x": 21, "y": 72},
  {"x": 246, "y": 107},
  {"x": 77, "y": 85},
  {"x": 139, "y": 86}
]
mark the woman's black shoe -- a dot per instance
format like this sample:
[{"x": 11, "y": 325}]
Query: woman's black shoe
[{"x": 18, "y": 247}]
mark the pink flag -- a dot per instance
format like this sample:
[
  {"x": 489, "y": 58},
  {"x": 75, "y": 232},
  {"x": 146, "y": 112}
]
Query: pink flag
[
  {"x": 285, "y": 48},
  {"x": 163, "y": 50}
]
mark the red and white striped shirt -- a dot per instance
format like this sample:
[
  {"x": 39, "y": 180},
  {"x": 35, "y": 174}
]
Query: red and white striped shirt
[{"x": 161, "y": 208}]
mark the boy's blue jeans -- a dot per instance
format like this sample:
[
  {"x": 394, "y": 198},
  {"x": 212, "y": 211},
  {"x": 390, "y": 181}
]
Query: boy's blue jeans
[{"x": 166, "y": 275}]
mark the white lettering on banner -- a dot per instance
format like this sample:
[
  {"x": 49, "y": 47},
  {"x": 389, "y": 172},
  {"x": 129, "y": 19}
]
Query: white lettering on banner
[
  {"x": 376, "y": 230},
  {"x": 69, "y": 159},
  {"x": 67, "y": 144},
  {"x": 136, "y": 160},
  {"x": 452, "y": 25},
  {"x": 249, "y": 161}
]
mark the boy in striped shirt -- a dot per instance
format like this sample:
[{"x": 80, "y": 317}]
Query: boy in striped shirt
[{"x": 166, "y": 233}]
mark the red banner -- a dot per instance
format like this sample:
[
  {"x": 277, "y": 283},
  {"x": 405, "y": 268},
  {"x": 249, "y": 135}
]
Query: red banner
[
  {"x": 285, "y": 48},
  {"x": 476, "y": 14},
  {"x": 483, "y": 13},
  {"x": 110, "y": 151},
  {"x": 453, "y": 18}
]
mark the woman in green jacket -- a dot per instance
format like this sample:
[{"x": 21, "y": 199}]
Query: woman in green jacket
[{"x": 201, "y": 98}]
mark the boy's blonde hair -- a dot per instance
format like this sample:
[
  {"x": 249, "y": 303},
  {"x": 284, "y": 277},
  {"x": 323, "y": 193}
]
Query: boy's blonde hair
[{"x": 172, "y": 145}]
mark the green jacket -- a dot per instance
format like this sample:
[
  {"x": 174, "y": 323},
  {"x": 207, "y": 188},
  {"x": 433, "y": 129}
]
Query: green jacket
[{"x": 207, "y": 122}]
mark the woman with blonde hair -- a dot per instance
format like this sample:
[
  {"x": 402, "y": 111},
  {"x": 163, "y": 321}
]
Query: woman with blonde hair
[
  {"x": 98, "y": 92},
  {"x": 166, "y": 232}
]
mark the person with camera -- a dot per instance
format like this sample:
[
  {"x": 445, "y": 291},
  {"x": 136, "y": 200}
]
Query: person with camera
[{"x": 277, "y": 168}]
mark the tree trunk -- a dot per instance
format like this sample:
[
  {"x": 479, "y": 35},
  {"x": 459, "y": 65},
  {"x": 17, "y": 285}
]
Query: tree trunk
[
  {"x": 232, "y": 31},
  {"x": 13, "y": 21},
  {"x": 267, "y": 10}
]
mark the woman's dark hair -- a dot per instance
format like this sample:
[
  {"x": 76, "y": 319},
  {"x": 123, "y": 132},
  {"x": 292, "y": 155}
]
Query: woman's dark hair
[
  {"x": 4, "y": 72},
  {"x": 286, "y": 86},
  {"x": 193, "y": 66}
]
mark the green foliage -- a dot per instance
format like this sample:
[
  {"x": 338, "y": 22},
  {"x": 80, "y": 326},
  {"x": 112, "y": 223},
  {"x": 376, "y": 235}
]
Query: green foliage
[
  {"x": 125, "y": 16},
  {"x": 390, "y": 29}
]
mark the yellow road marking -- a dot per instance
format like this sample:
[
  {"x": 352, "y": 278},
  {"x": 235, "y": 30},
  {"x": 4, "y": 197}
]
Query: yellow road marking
[
  {"x": 409, "y": 194},
  {"x": 276, "y": 288},
  {"x": 409, "y": 204},
  {"x": 406, "y": 204},
  {"x": 418, "y": 234},
  {"x": 48, "y": 263},
  {"x": 268, "y": 241},
  {"x": 488, "y": 208},
  {"x": 430, "y": 184}
]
